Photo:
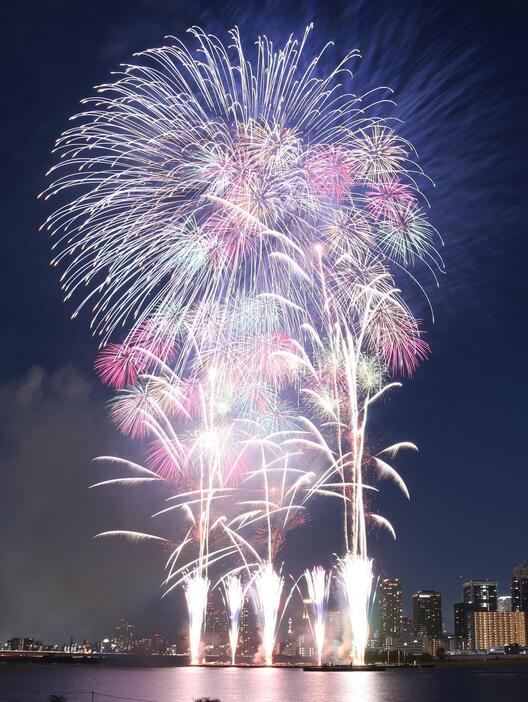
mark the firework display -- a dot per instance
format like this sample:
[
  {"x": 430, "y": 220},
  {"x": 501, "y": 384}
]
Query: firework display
[
  {"x": 233, "y": 591},
  {"x": 237, "y": 223},
  {"x": 318, "y": 585}
]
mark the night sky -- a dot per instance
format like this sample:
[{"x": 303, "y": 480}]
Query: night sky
[{"x": 459, "y": 74}]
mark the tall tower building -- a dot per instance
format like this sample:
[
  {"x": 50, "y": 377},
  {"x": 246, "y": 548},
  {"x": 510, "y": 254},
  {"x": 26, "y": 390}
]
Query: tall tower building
[
  {"x": 304, "y": 638},
  {"x": 244, "y": 621},
  {"x": 461, "y": 624},
  {"x": 427, "y": 613},
  {"x": 519, "y": 587},
  {"x": 479, "y": 596},
  {"x": 247, "y": 640},
  {"x": 334, "y": 626},
  {"x": 390, "y": 610},
  {"x": 289, "y": 646},
  {"x": 216, "y": 630},
  {"x": 124, "y": 636}
]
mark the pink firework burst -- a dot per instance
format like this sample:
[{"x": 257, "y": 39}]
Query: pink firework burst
[
  {"x": 166, "y": 457},
  {"x": 119, "y": 365},
  {"x": 274, "y": 358},
  {"x": 133, "y": 410},
  {"x": 330, "y": 172},
  {"x": 395, "y": 335},
  {"x": 232, "y": 238},
  {"x": 385, "y": 199}
]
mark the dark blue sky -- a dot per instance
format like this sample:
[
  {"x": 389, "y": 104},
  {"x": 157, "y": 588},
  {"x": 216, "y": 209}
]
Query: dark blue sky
[{"x": 459, "y": 73}]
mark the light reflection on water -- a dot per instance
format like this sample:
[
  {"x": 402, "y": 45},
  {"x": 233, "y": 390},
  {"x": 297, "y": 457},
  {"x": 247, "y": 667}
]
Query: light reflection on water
[
  {"x": 26, "y": 683},
  {"x": 278, "y": 685}
]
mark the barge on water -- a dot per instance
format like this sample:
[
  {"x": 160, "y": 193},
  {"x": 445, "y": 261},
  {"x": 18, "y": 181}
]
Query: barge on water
[{"x": 343, "y": 668}]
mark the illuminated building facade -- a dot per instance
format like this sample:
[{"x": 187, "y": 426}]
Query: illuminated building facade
[
  {"x": 427, "y": 613},
  {"x": 334, "y": 626},
  {"x": 305, "y": 640},
  {"x": 125, "y": 636},
  {"x": 390, "y": 610},
  {"x": 461, "y": 625},
  {"x": 479, "y": 596},
  {"x": 289, "y": 646},
  {"x": 247, "y": 639},
  {"x": 496, "y": 629},
  {"x": 216, "y": 636}
]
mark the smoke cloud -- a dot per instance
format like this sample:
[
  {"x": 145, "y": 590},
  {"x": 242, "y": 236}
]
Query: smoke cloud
[{"x": 55, "y": 580}]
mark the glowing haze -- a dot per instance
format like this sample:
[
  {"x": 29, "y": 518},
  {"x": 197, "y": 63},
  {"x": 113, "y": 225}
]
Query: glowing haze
[{"x": 236, "y": 222}]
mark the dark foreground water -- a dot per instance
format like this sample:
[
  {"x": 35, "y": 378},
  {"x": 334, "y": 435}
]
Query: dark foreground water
[{"x": 32, "y": 683}]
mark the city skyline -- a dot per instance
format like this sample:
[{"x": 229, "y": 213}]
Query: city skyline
[
  {"x": 484, "y": 621},
  {"x": 388, "y": 621}
]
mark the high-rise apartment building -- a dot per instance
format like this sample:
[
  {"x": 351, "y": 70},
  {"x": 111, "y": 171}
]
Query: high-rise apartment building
[
  {"x": 248, "y": 640},
  {"x": 216, "y": 637},
  {"x": 334, "y": 626},
  {"x": 390, "y": 610},
  {"x": 427, "y": 613},
  {"x": 461, "y": 624},
  {"x": 479, "y": 596},
  {"x": 495, "y": 629},
  {"x": 124, "y": 636},
  {"x": 289, "y": 645}
]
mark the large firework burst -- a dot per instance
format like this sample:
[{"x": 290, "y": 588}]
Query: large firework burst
[{"x": 240, "y": 218}]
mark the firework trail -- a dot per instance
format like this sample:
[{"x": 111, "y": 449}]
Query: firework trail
[
  {"x": 272, "y": 495},
  {"x": 268, "y": 585},
  {"x": 196, "y": 591},
  {"x": 233, "y": 594},
  {"x": 194, "y": 456},
  {"x": 318, "y": 584},
  {"x": 205, "y": 453},
  {"x": 355, "y": 573},
  {"x": 346, "y": 365},
  {"x": 244, "y": 218}
]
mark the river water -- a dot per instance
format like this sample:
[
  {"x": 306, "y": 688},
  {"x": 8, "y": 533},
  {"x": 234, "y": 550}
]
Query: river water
[{"x": 35, "y": 683}]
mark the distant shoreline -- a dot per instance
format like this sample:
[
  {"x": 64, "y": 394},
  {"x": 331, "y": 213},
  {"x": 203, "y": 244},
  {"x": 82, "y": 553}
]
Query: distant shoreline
[
  {"x": 165, "y": 661},
  {"x": 95, "y": 659}
]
